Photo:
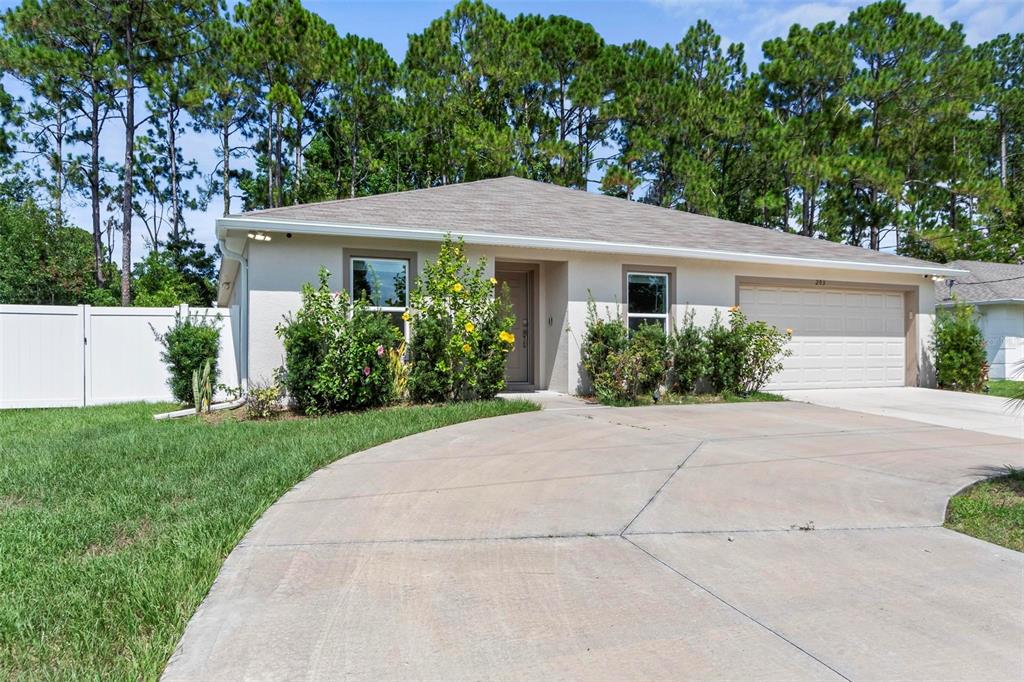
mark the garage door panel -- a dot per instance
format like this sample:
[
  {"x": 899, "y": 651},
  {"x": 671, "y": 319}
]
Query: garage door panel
[{"x": 840, "y": 337}]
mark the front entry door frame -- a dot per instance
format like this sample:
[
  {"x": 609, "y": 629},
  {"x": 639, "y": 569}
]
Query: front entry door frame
[{"x": 532, "y": 271}]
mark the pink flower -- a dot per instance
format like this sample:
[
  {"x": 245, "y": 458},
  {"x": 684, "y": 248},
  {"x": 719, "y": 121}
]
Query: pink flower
[
  {"x": 380, "y": 351},
  {"x": 366, "y": 371}
]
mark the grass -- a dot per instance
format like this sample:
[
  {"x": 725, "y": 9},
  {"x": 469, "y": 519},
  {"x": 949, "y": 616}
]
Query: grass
[
  {"x": 697, "y": 399},
  {"x": 113, "y": 526},
  {"x": 991, "y": 510},
  {"x": 1006, "y": 388}
]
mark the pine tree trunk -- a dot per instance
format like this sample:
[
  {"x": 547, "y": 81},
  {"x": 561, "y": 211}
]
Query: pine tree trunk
[
  {"x": 172, "y": 148},
  {"x": 126, "y": 190},
  {"x": 1003, "y": 155},
  {"x": 225, "y": 141},
  {"x": 59, "y": 165},
  {"x": 270, "y": 156},
  {"x": 94, "y": 185}
]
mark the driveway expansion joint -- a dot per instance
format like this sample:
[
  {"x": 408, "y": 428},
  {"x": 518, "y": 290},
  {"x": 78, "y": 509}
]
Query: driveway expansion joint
[
  {"x": 662, "y": 486},
  {"x": 735, "y": 608}
]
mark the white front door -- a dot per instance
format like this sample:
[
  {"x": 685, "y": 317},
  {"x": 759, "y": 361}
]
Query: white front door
[
  {"x": 841, "y": 337},
  {"x": 518, "y": 369}
]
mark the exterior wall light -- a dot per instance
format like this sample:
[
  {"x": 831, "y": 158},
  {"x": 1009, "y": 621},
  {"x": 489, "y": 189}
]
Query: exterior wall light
[{"x": 259, "y": 236}]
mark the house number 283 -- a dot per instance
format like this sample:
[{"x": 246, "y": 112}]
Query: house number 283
[{"x": 819, "y": 282}]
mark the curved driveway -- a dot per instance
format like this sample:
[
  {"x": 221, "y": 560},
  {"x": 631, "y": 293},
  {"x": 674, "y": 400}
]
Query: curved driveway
[{"x": 770, "y": 540}]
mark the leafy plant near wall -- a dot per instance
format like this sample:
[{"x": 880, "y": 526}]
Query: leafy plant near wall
[
  {"x": 461, "y": 330},
  {"x": 336, "y": 352},
  {"x": 737, "y": 357},
  {"x": 202, "y": 388},
  {"x": 637, "y": 369},
  {"x": 688, "y": 355},
  {"x": 602, "y": 339},
  {"x": 191, "y": 342},
  {"x": 959, "y": 347}
]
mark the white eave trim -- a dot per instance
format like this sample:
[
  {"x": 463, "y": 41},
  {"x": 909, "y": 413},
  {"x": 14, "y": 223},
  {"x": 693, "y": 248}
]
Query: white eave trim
[{"x": 476, "y": 238}]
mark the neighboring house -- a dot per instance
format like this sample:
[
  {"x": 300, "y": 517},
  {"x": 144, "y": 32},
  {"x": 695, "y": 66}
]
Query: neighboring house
[
  {"x": 859, "y": 318},
  {"x": 997, "y": 291}
]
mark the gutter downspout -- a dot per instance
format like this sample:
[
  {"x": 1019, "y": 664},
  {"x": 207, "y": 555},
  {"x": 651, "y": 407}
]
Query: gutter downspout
[{"x": 243, "y": 309}]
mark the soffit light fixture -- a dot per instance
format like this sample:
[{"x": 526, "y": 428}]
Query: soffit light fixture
[{"x": 259, "y": 236}]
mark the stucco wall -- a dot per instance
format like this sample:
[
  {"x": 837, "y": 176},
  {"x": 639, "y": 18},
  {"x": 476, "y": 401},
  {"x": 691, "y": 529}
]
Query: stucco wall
[
  {"x": 277, "y": 270},
  {"x": 1003, "y": 327}
]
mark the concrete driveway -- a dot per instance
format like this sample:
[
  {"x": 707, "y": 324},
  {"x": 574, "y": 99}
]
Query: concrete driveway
[
  {"x": 973, "y": 411},
  {"x": 771, "y": 541}
]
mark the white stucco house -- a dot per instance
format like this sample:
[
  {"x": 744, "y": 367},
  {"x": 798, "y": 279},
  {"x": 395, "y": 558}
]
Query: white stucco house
[
  {"x": 860, "y": 318},
  {"x": 996, "y": 290}
]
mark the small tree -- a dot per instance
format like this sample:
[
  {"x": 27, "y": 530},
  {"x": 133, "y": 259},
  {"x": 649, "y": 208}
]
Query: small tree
[
  {"x": 959, "y": 347},
  {"x": 191, "y": 342},
  {"x": 461, "y": 330}
]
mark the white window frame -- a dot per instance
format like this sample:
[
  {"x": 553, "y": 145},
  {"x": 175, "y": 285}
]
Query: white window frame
[
  {"x": 381, "y": 308},
  {"x": 668, "y": 299}
]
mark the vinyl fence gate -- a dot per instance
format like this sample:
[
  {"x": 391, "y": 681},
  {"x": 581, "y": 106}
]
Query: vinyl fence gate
[{"x": 73, "y": 356}]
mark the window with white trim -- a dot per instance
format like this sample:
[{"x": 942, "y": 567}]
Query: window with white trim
[
  {"x": 384, "y": 283},
  {"x": 647, "y": 299}
]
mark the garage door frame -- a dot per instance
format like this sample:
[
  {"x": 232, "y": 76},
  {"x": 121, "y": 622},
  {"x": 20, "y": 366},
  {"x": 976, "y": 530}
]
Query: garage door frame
[{"x": 910, "y": 303}]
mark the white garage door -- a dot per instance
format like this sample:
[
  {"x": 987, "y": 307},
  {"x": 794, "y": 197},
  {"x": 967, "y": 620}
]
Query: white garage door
[{"x": 841, "y": 337}]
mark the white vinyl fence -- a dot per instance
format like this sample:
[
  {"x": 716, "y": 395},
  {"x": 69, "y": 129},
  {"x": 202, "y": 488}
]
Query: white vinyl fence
[{"x": 71, "y": 356}]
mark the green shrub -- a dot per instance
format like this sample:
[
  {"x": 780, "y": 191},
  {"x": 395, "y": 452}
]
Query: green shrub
[
  {"x": 336, "y": 352},
  {"x": 638, "y": 369},
  {"x": 190, "y": 342},
  {"x": 726, "y": 348},
  {"x": 743, "y": 356},
  {"x": 461, "y": 331},
  {"x": 765, "y": 351},
  {"x": 602, "y": 339},
  {"x": 688, "y": 355},
  {"x": 959, "y": 347}
]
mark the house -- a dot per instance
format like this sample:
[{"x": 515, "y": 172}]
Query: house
[
  {"x": 997, "y": 291},
  {"x": 859, "y": 318}
]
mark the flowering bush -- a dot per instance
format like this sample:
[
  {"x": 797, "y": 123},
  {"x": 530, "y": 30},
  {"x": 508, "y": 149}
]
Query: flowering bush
[
  {"x": 337, "y": 352},
  {"x": 461, "y": 331},
  {"x": 959, "y": 346}
]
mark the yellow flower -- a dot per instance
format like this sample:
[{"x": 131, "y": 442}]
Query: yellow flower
[
  {"x": 734, "y": 309},
  {"x": 470, "y": 327},
  {"x": 458, "y": 287},
  {"x": 493, "y": 281},
  {"x": 789, "y": 331},
  {"x": 507, "y": 337},
  {"x": 406, "y": 316},
  {"x": 465, "y": 348}
]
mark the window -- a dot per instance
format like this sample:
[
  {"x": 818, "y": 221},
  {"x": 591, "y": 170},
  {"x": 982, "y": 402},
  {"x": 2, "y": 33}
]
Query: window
[
  {"x": 647, "y": 299},
  {"x": 384, "y": 283}
]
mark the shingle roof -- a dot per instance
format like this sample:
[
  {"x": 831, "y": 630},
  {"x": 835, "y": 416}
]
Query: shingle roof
[
  {"x": 526, "y": 208},
  {"x": 986, "y": 282}
]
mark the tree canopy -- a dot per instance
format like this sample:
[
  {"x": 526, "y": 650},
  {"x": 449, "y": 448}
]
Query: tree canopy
[{"x": 887, "y": 130}]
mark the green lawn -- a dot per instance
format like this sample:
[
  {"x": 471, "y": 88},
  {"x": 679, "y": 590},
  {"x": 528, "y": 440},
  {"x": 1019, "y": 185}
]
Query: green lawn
[
  {"x": 113, "y": 526},
  {"x": 992, "y": 510},
  {"x": 1006, "y": 388}
]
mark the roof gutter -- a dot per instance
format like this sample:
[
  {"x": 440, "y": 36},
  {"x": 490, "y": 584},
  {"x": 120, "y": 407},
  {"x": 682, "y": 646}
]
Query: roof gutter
[
  {"x": 435, "y": 235},
  {"x": 243, "y": 310}
]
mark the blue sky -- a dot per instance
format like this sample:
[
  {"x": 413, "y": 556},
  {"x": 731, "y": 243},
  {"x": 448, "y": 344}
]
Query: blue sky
[{"x": 655, "y": 21}]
